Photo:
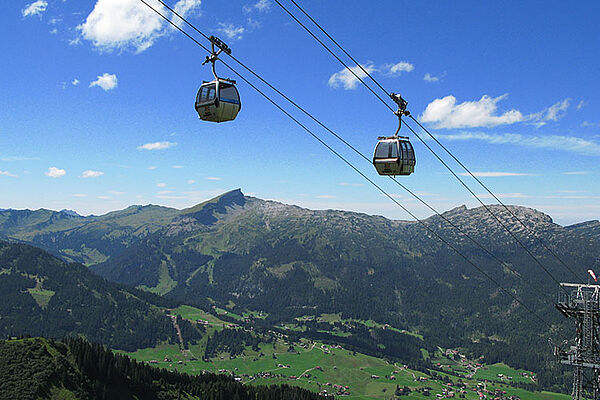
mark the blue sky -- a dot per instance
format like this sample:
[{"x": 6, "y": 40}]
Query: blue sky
[{"x": 97, "y": 112}]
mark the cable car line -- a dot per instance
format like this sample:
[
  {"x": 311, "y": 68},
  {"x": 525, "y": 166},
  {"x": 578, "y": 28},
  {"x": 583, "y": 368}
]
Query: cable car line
[
  {"x": 337, "y": 58},
  {"x": 510, "y": 232},
  {"x": 497, "y": 199},
  {"x": 429, "y": 133},
  {"x": 334, "y": 41},
  {"x": 396, "y": 98},
  {"x": 341, "y": 157}
]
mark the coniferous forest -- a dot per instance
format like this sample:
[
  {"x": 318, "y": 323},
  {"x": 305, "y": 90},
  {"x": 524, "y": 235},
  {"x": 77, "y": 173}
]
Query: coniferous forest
[{"x": 75, "y": 368}]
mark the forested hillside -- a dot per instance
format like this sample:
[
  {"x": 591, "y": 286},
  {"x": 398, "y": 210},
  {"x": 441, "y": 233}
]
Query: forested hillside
[
  {"x": 42, "y": 295},
  {"x": 76, "y": 369}
]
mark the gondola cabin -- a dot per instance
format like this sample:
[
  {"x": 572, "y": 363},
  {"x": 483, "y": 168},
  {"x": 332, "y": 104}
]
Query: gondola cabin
[
  {"x": 218, "y": 101},
  {"x": 394, "y": 155}
]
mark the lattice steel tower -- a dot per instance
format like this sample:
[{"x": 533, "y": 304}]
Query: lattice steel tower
[{"x": 582, "y": 304}]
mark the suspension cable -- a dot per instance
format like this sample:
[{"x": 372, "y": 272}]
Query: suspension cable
[
  {"x": 366, "y": 72},
  {"x": 531, "y": 231},
  {"x": 304, "y": 111},
  {"x": 342, "y": 158}
]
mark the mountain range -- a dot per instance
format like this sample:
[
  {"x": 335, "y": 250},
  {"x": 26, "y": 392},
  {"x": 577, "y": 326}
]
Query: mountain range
[{"x": 290, "y": 261}]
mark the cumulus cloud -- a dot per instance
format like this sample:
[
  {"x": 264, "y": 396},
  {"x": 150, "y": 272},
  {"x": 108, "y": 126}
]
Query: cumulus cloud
[
  {"x": 54, "y": 172},
  {"x": 346, "y": 79},
  {"x": 106, "y": 81},
  {"x": 430, "y": 78},
  {"x": 91, "y": 174},
  {"x": 580, "y": 105},
  {"x": 550, "y": 142},
  {"x": 445, "y": 113},
  {"x": 157, "y": 146},
  {"x": 6, "y": 173},
  {"x": 398, "y": 68},
  {"x": 231, "y": 31},
  {"x": 124, "y": 24},
  {"x": 35, "y": 8},
  {"x": 75, "y": 82}
]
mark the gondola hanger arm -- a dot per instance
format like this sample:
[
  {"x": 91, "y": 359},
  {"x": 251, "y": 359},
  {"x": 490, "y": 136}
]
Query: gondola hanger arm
[{"x": 402, "y": 111}]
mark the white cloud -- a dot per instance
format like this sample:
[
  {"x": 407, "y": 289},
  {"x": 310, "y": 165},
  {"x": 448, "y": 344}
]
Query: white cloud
[
  {"x": 35, "y": 8},
  {"x": 496, "y": 174},
  {"x": 260, "y": 5},
  {"x": 116, "y": 192},
  {"x": 156, "y": 146},
  {"x": 129, "y": 24},
  {"x": 444, "y": 113},
  {"x": 152, "y": 167},
  {"x": 231, "y": 31},
  {"x": 185, "y": 7},
  {"x": 121, "y": 24},
  {"x": 214, "y": 178},
  {"x": 580, "y": 105},
  {"x": 161, "y": 185},
  {"x": 191, "y": 181},
  {"x": 551, "y": 142},
  {"x": 79, "y": 195},
  {"x": 325, "y": 196},
  {"x": 54, "y": 172},
  {"x": 106, "y": 81},
  {"x": 75, "y": 82},
  {"x": 552, "y": 113},
  {"x": 346, "y": 79},
  {"x": 177, "y": 166},
  {"x": 91, "y": 174},
  {"x": 263, "y": 5},
  {"x": 430, "y": 78},
  {"x": 399, "y": 68},
  {"x": 6, "y": 173},
  {"x": 577, "y": 173}
]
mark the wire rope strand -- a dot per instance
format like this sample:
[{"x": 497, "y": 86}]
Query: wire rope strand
[
  {"x": 342, "y": 158},
  {"x": 430, "y": 134}
]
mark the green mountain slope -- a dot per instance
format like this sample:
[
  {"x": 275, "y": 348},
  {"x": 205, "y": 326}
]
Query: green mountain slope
[{"x": 42, "y": 295}]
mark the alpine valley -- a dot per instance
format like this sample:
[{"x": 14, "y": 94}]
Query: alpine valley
[{"x": 378, "y": 287}]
